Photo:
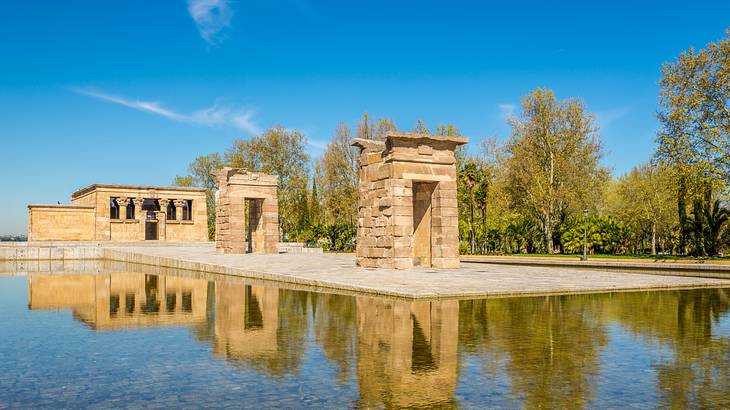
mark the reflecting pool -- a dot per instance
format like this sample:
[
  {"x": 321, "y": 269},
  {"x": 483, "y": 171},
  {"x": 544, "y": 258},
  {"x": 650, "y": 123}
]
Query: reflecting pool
[{"x": 141, "y": 340}]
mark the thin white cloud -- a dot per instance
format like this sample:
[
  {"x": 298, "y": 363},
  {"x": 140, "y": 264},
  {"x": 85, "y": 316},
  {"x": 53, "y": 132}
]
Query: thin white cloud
[
  {"x": 211, "y": 17},
  {"x": 241, "y": 119},
  {"x": 506, "y": 111},
  {"x": 607, "y": 117},
  {"x": 319, "y": 144}
]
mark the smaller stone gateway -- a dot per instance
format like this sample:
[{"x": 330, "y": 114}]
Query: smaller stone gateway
[
  {"x": 408, "y": 212},
  {"x": 247, "y": 212}
]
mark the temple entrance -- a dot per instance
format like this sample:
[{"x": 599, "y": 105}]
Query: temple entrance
[
  {"x": 254, "y": 233},
  {"x": 150, "y": 230},
  {"x": 422, "y": 194}
]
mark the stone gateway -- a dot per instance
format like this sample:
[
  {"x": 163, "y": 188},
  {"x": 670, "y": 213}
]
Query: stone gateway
[
  {"x": 247, "y": 212},
  {"x": 408, "y": 213}
]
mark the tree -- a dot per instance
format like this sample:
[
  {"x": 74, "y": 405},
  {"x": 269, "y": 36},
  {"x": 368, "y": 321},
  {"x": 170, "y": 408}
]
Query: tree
[
  {"x": 368, "y": 130},
  {"x": 421, "y": 127},
  {"x": 183, "y": 180},
  {"x": 201, "y": 174},
  {"x": 315, "y": 209},
  {"x": 468, "y": 179},
  {"x": 695, "y": 115},
  {"x": 338, "y": 170},
  {"x": 278, "y": 151},
  {"x": 385, "y": 125},
  {"x": 708, "y": 225},
  {"x": 553, "y": 159},
  {"x": 646, "y": 200},
  {"x": 364, "y": 128},
  {"x": 447, "y": 130}
]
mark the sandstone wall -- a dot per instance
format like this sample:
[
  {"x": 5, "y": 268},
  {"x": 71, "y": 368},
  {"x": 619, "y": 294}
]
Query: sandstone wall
[{"x": 60, "y": 223}]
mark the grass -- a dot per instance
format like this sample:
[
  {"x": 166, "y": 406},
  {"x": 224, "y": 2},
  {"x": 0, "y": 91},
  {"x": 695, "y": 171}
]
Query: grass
[{"x": 611, "y": 256}]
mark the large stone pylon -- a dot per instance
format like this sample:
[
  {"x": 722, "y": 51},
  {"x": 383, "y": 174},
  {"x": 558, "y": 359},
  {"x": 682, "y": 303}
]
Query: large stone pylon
[{"x": 408, "y": 214}]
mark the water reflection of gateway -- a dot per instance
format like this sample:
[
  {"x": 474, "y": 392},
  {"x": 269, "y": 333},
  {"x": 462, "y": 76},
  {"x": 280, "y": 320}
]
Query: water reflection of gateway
[
  {"x": 246, "y": 320},
  {"x": 407, "y": 352},
  {"x": 110, "y": 301}
]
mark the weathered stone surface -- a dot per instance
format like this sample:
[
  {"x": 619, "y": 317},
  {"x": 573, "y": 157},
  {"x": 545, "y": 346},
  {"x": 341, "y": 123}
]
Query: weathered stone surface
[
  {"x": 246, "y": 196},
  {"x": 407, "y": 213}
]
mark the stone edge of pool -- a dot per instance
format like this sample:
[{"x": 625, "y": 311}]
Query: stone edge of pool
[{"x": 24, "y": 254}]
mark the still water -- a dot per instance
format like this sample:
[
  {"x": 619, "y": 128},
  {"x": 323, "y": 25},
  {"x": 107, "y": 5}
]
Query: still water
[{"x": 137, "y": 340}]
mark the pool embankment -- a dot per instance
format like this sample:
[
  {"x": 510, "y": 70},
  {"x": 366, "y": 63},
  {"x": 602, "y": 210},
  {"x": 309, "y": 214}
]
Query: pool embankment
[
  {"x": 338, "y": 272},
  {"x": 699, "y": 268}
]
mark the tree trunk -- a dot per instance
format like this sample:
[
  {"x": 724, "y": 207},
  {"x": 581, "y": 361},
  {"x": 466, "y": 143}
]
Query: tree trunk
[
  {"x": 653, "y": 238},
  {"x": 548, "y": 232},
  {"x": 682, "y": 211},
  {"x": 471, "y": 224},
  {"x": 484, "y": 230}
]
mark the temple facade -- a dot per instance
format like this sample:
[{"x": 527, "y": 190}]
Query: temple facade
[
  {"x": 407, "y": 206},
  {"x": 104, "y": 212}
]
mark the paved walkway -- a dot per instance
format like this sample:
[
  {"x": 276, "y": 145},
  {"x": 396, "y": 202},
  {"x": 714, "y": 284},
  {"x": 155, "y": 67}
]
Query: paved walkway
[{"x": 339, "y": 272}]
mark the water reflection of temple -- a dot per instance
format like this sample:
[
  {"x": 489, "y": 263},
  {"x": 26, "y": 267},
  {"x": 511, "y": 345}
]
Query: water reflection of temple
[
  {"x": 407, "y": 352},
  {"x": 111, "y": 301}
]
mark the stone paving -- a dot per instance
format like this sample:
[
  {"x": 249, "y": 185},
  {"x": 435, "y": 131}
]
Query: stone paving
[{"x": 339, "y": 272}]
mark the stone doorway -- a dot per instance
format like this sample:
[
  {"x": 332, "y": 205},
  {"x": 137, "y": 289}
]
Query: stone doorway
[
  {"x": 422, "y": 222},
  {"x": 254, "y": 234},
  {"x": 150, "y": 230}
]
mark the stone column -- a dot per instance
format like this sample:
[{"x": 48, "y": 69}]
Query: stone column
[
  {"x": 122, "y": 202},
  {"x": 140, "y": 216},
  {"x": 162, "y": 220},
  {"x": 179, "y": 205}
]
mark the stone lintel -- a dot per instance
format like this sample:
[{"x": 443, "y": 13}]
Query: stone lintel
[{"x": 398, "y": 135}]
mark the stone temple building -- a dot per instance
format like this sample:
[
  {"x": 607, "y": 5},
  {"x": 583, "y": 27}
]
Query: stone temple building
[
  {"x": 408, "y": 214},
  {"x": 106, "y": 212}
]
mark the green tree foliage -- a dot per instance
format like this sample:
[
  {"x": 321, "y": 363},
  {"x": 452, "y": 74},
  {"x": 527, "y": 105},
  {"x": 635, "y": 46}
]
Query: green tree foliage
[
  {"x": 709, "y": 224},
  {"x": 552, "y": 160},
  {"x": 367, "y": 129},
  {"x": 604, "y": 235},
  {"x": 645, "y": 202},
  {"x": 695, "y": 115},
  {"x": 421, "y": 127},
  {"x": 201, "y": 174},
  {"x": 337, "y": 171},
  {"x": 281, "y": 152},
  {"x": 315, "y": 207}
]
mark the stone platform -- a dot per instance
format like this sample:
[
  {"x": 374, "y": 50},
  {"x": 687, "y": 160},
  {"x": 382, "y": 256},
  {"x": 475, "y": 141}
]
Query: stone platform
[{"x": 338, "y": 272}]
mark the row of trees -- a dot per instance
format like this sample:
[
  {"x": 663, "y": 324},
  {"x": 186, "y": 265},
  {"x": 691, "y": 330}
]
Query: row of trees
[{"x": 528, "y": 193}]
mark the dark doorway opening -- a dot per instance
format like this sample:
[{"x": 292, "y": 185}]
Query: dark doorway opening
[
  {"x": 150, "y": 231},
  {"x": 422, "y": 197},
  {"x": 254, "y": 234}
]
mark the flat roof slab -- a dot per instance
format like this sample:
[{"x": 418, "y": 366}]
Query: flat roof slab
[{"x": 338, "y": 271}]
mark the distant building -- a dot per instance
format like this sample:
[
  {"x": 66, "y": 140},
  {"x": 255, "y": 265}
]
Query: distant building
[{"x": 104, "y": 212}]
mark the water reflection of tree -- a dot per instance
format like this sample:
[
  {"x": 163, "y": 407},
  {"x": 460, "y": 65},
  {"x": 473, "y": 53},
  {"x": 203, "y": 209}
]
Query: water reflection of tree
[
  {"x": 335, "y": 330},
  {"x": 551, "y": 345},
  {"x": 698, "y": 372}
]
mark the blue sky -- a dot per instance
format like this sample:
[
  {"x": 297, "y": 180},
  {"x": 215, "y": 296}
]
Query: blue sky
[{"x": 131, "y": 91}]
